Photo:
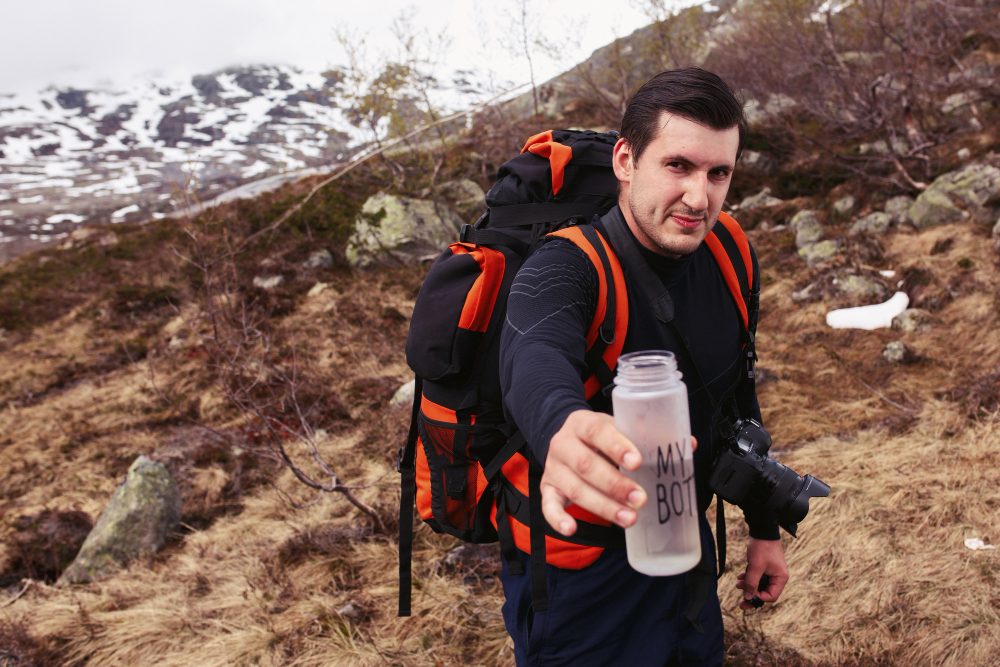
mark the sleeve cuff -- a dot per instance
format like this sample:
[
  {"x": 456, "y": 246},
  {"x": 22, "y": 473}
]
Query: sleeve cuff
[{"x": 762, "y": 525}]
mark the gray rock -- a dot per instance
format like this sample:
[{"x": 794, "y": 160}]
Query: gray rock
[
  {"x": 819, "y": 252},
  {"x": 136, "y": 522},
  {"x": 860, "y": 288},
  {"x": 321, "y": 259},
  {"x": 464, "y": 195},
  {"x": 911, "y": 320},
  {"x": 873, "y": 223},
  {"x": 843, "y": 206},
  {"x": 955, "y": 196},
  {"x": 879, "y": 147},
  {"x": 807, "y": 228},
  {"x": 756, "y": 112},
  {"x": 896, "y": 352},
  {"x": 267, "y": 282},
  {"x": 350, "y": 611},
  {"x": 963, "y": 154},
  {"x": 401, "y": 230},
  {"x": 759, "y": 200},
  {"x": 996, "y": 236},
  {"x": 756, "y": 161},
  {"x": 932, "y": 208},
  {"x": 898, "y": 208},
  {"x": 403, "y": 396},
  {"x": 956, "y": 101},
  {"x": 810, "y": 292}
]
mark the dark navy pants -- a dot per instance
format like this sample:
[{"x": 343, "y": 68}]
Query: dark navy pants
[{"x": 609, "y": 614}]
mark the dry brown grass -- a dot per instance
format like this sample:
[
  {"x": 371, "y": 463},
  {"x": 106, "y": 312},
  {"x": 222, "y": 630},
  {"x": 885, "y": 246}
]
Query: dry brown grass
[{"x": 271, "y": 575}]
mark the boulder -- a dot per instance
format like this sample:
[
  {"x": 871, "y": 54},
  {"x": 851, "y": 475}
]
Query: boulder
[
  {"x": 873, "y": 223},
  {"x": 403, "y": 396},
  {"x": 881, "y": 147},
  {"x": 464, "y": 195},
  {"x": 898, "y": 208},
  {"x": 807, "y": 228},
  {"x": 972, "y": 191},
  {"x": 759, "y": 200},
  {"x": 911, "y": 320},
  {"x": 932, "y": 208},
  {"x": 843, "y": 206},
  {"x": 756, "y": 161},
  {"x": 957, "y": 101},
  {"x": 321, "y": 259},
  {"x": 897, "y": 353},
  {"x": 860, "y": 289},
  {"x": 810, "y": 292},
  {"x": 143, "y": 511},
  {"x": 819, "y": 252},
  {"x": 267, "y": 282},
  {"x": 401, "y": 230}
]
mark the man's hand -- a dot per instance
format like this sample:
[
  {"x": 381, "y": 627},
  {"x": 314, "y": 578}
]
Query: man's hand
[
  {"x": 764, "y": 558},
  {"x": 582, "y": 468}
]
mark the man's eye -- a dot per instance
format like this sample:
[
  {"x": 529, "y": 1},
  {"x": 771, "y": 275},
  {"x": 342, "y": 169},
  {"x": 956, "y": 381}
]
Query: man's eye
[{"x": 720, "y": 174}]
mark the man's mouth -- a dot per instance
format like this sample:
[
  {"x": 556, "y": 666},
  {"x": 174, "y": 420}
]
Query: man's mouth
[{"x": 686, "y": 221}]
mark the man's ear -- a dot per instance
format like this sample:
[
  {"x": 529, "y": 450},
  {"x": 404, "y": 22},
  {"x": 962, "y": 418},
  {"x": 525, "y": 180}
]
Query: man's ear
[{"x": 621, "y": 160}]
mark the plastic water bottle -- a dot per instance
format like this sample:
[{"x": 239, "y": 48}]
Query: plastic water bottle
[{"x": 651, "y": 409}]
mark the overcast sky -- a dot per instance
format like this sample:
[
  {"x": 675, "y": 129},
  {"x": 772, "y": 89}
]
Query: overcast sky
[{"x": 78, "y": 42}]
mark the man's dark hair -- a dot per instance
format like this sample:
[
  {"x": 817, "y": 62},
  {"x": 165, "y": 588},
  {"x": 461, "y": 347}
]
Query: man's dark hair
[{"x": 691, "y": 93}]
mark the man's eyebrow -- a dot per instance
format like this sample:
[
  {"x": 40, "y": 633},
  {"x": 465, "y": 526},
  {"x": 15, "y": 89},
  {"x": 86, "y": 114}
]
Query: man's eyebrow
[{"x": 690, "y": 163}]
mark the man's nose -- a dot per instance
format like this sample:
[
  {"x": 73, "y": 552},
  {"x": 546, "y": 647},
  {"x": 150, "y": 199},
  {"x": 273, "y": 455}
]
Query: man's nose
[{"x": 696, "y": 193}]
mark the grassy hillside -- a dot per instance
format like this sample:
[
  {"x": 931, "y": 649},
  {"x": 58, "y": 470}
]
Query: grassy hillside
[
  {"x": 157, "y": 340},
  {"x": 111, "y": 356}
]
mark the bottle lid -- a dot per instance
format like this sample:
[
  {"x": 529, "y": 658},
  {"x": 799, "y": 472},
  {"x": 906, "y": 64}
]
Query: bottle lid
[{"x": 647, "y": 369}]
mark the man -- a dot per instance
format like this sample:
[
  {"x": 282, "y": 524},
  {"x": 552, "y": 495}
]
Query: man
[{"x": 681, "y": 136}]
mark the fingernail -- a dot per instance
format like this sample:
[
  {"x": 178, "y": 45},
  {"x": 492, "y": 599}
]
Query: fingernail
[
  {"x": 636, "y": 497},
  {"x": 631, "y": 459},
  {"x": 625, "y": 517}
]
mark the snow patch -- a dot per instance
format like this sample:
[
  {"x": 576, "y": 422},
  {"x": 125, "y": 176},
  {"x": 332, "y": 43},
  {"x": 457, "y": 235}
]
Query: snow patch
[
  {"x": 63, "y": 217},
  {"x": 120, "y": 214},
  {"x": 876, "y": 316}
]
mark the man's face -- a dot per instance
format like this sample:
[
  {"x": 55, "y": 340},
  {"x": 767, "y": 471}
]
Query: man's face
[{"x": 672, "y": 196}]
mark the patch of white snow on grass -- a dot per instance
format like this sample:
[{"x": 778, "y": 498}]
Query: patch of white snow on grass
[
  {"x": 876, "y": 316},
  {"x": 120, "y": 214},
  {"x": 63, "y": 217}
]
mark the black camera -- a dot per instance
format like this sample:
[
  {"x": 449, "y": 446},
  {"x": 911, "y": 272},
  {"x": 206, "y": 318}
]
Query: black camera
[{"x": 744, "y": 475}]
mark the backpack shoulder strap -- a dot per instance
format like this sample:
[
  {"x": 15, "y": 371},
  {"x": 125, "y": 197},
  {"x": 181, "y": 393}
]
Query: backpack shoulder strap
[
  {"x": 731, "y": 250},
  {"x": 606, "y": 334}
]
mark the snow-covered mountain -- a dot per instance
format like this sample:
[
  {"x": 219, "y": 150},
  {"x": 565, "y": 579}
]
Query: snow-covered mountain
[{"x": 140, "y": 150}]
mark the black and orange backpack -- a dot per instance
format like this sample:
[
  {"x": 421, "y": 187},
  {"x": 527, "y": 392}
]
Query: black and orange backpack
[{"x": 467, "y": 470}]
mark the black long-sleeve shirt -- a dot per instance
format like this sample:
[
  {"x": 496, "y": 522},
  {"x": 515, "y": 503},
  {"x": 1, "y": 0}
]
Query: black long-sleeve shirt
[{"x": 542, "y": 352}]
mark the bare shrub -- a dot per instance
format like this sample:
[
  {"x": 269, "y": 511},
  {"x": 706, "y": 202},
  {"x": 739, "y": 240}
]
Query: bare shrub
[
  {"x": 873, "y": 71},
  {"x": 263, "y": 375}
]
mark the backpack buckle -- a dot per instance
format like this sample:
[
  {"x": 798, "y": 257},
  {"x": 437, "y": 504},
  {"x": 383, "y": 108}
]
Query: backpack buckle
[{"x": 466, "y": 232}]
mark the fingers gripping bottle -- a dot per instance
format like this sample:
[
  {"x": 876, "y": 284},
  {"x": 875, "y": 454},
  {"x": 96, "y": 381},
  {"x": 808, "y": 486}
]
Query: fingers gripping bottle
[{"x": 651, "y": 409}]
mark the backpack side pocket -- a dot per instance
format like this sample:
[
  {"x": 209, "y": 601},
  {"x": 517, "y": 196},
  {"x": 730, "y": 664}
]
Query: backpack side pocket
[{"x": 453, "y": 311}]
